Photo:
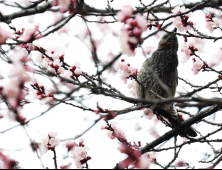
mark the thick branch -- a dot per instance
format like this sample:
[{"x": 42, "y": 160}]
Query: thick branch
[{"x": 176, "y": 131}]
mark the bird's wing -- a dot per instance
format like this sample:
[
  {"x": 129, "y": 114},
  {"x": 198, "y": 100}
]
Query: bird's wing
[{"x": 145, "y": 78}]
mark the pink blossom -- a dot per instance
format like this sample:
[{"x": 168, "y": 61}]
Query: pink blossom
[
  {"x": 212, "y": 11},
  {"x": 176, "y": 10},
  {"x": 121, "y": 66},
  {"x": 44, "y": 149},
  {"x": 17, "y": 70},
  {"x": 53, "y": 134},
  {"x": 128, "y": 72},
  {"x": 209, "y": 26},
  {"x": 110, "y": 135},
  {"x": 12, "y": 89},
  {"x": 45, "y": 140},
  {"x": 57, "y": 63},
  {"x": 182, "y": 9},
  {"x": 197, "y": 65},
  {"x": 55, "y": 52},
  {"x": 181, "y": 22},
  {"x": 78, "y": 71},
  {"x": 70, "y": 145},
  {"x": 61, "y": 70},
  {"x": 189, "y": 48},
  {"x": 217, "y": 22},
  {"x": 4, "y": 35},
  {"x": 31, "y": 34},
  {"x": 45, "y": 62},
  {"x": 20, "y": 54},
  {"x": 103, "y": 127},
  {"x": 178, "y": 24},
  {"x": 113, "y": 125},
  {"x": 54, "y": 142},
  {"x": 152, "y": 156},
  {"x": 148, "y": 112},
  {"x": 126, "y": 12},
  {"x": 67, "y": 74},
  {"x": 81, "y": 140},
  {"x": 124, "y": 38},
  {"x": 144, "y": 162},
  {"x": 123, "y": 148},
  {"x": 141, "y": 22},
  {"x": 37, "y": 57},
  {"x": 79, "y": 153}
]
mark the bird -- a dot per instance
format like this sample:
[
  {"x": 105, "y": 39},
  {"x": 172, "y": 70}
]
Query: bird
[{"x": 158, "y": 78}]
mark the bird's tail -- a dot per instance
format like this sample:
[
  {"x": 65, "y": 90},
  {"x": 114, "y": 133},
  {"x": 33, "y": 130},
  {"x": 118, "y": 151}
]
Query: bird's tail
[{"x": 188, "y": 132}]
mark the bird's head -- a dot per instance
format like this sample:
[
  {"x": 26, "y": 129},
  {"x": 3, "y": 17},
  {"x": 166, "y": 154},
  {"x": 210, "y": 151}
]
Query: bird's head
[{"x": 169, "y": 42}]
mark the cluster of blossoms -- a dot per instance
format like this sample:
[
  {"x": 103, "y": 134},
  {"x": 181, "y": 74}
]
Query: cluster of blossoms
[
  {"x": 113, "y": 132},
  {"x": 41, "y": 92},
  {"x": 28, "y": 35},
  {"x": 49, "y": 142},
  {"x": 148, "y": 113},
  {"x": 15, "y": 91},
  {"x": 7, "y": 163},
  {"x": 54, "y": 63},
  {"x": 189, "y": 49},
  {"x": 132, "y": 30},
  {"x": 181, "y": 22},
  {"x": 197, "y": 65},
  {"x": 66, "y": 5},
  {"x": 79, "y": 154},
  {"x": 109, "y": 116},
  {"x": 132, "y": 150},
  {"x": 126, "y": 70},
  {"x": 211, "y": 24}
]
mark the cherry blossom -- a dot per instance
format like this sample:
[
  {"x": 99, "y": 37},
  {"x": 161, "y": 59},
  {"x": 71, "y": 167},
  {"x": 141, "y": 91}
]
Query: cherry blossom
[
  {"x": 49, "y": 142},
  {"x": 189, "y": 48},
  {"x": 213, "y": 20},
  {"x": 125, "y": 13},
  {"x": 144, "y": 162},
  {"x": 79, "y": 154},
  {"x": 126, "y": 69},
  {"x": 131, "y": 32},
  {"x": 4, "y": 35},
  {"x": 53, "y": 134},
  {"x": 30, "y": 34},
  {"x": 114, "y": 132},
  {"x": 181, "y": 22},
  {"x": 70, "y": 145},
  {"x": 197, "y": 65}
]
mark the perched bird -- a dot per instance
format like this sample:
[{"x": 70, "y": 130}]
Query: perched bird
[{"x": 159, "y": 75}]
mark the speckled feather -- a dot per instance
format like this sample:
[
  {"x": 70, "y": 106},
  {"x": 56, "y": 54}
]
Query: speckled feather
[{"x": 163, "y": 63}]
